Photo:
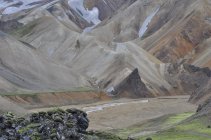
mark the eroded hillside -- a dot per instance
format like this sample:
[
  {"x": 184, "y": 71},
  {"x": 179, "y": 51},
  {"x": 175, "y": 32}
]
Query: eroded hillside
[{"x": 59, "y": 45}]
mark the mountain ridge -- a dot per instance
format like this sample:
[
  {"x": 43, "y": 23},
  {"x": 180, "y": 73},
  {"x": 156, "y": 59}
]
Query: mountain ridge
[{"x": 57, "y": 33}]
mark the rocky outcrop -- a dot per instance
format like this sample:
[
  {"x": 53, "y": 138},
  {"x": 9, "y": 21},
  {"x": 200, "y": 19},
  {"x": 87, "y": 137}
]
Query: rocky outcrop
[
  {"x": 8, "y": 26},
  {"x": 205, "y": 106},
  {"x": 132, "y": 86},
  {"x": 204, "y": 109},
  {"x": 63, "y": 8},
  {"x": 201, "y": 94},
  {"x": 107, "y": 7},
  {"x": 191, "y": 80},
  {"x": 187, "y": 78},
  {"x": 202, "y": 88},
  {"x": 179, "y": 32},
  {"x": 55, "y": 124}
]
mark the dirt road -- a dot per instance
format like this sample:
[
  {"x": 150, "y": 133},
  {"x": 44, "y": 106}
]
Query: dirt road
[{"x": 126, "y": 112}]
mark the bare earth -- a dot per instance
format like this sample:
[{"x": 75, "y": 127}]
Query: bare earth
[{"x": 127, "y": 112}]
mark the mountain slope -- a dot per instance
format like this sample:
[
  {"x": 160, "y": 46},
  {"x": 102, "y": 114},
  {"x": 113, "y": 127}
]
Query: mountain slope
[
  {"x": 25, "y": 68},
  {"x": 105, "y": 45}
]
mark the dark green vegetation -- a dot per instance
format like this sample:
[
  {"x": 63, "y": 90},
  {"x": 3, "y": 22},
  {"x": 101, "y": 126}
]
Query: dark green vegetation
[
  {"x": 171, "y": 127},
  {"x": 196, "y": 129},
  {"x": 10, "y": 25},
  {"x": 152, "y": 126},
  {"x": 58, "y": 124},
  {"x": 22, "y": 31}
]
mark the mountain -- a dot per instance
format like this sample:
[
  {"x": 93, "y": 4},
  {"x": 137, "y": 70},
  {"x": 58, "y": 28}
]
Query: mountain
[
  {"x": 58, "y": 45},
  {"x": 100, "y": 56}
]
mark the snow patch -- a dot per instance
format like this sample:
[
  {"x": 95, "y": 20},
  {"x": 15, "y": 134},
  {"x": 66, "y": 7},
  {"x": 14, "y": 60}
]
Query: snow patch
[
  {"x": 92, "y": 16},
  {"x": 110, "y": 90},
  {"x": 4, "y": 4},
  {"x": 101, "y": 107},
  {"x": 144, "y": 27},
  {"x": 89, "y": 15},
  {"x": 105, "y": 2},
  {"x": 12, "y": 9},
  {"x": 88, "y": 29},
  {"x": 121, "y": 48}
]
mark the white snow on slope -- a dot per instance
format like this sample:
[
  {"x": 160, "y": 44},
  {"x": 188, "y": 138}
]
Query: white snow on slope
[
  {"x": 105, "y": 2},
  {"x": 12, "y": 9},
  {"x": 102, "y": 107},
  {"x": 144, "y": 27},
  {"x": 89, "y": 15},
  {"x": 4, "y": 4}
]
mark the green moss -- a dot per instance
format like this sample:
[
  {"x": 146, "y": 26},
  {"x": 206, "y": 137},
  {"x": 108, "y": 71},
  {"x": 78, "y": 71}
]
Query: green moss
[
  {"x": 36, "y": 136},
  {"x": 82, "y": 89},
  {"x": 173, "y": 134},
  {"x": 28, "y": 127},
  {"x": 53, "y": 135},
  {"x": 53, "y": 130},
  {"x": 24, "y": 30},
  {"x": 153, "y": 125},
  {"x": 177, "y": 118},
  {"x": 57, "y": 110},
  {"x": 196, "y": 125},
  {"x": 103, "y": 136},
  {"x": 19, "y": 120},
  {"x": 69, "y": 124},
  {"x": 60, "y": 111},
  {"x": 23, "y": 130},
  {"x": 58, "y": 119},
  {"x": 124, "y": 133},
  {"x": 192, "y": 130}
]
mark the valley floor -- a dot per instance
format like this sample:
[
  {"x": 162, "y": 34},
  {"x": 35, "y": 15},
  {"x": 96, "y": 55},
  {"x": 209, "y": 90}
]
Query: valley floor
[{"x": 123, "y": 113}]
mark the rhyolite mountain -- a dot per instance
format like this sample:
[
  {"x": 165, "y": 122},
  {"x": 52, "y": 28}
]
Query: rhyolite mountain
[{"x": 133, "y": 48}]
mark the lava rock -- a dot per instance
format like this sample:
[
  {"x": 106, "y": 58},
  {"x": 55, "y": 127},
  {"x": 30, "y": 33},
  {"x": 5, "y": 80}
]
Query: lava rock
[{"x": 55, "y": 124}]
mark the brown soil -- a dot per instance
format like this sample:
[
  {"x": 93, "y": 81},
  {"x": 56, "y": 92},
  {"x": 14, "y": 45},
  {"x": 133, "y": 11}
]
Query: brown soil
[
  {"x": 131, "y": 111},
  {"x": 56, "y": 99},
  {"x": 7, "y": 106}
]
